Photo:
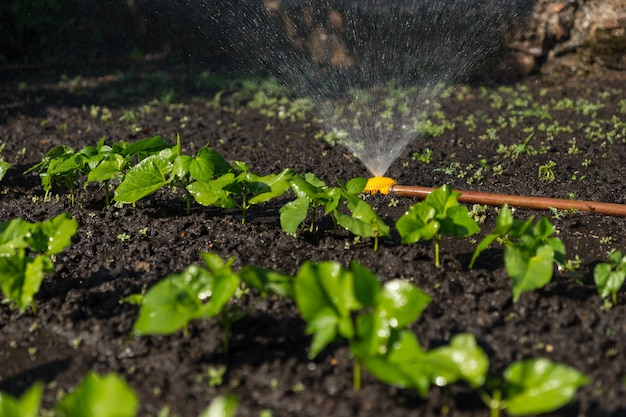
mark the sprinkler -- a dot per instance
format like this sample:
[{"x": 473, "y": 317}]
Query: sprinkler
[{"x": 388, "y": 186}]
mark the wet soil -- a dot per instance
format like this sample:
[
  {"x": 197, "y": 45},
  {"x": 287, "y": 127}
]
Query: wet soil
[{"x": 81, "y": 325}]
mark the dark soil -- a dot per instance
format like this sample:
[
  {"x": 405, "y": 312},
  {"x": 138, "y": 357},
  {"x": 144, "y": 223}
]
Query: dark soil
[{"x": 81, "y": 324}]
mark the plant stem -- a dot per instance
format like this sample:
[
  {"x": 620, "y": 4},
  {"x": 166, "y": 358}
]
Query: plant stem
[
  {"x": 375, "y": 243},
  {"x": 437, "y": 262},
  {"x": 356, "y": 377}
]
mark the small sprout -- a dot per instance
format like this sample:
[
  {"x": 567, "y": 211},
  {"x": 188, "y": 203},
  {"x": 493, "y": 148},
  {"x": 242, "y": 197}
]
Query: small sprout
[
  {"x": 546, "y": 172},
  {"x": 123, "y": 237},
  {"x": 609, "y": 276}
]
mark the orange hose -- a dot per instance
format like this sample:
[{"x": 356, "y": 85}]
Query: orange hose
[{"x": 539, "y": 203}]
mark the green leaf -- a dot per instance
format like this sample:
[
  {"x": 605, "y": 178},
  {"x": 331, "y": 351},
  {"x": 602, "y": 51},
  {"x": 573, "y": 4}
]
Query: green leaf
[
  {"x": 4, "y": 167},
  {"x": 224, "y": 285},
  {"x": 356, "y": 185},
  {"x": 364, "y": 221},
  {"x": 28, "y": 405},
  {"x": 401, "y": 302},
  {"x": 402, "y": 365},
  {"x": 324, "y": 328},
  {"x": 221, "y": 406},
  {"x": 309, "y": 186},
  {"x": 461, "y": 359},
  {"x": 144, "y": 179},
  {"x": 21, "y": 277},
  {"x": 324, "y": 294},
  {"x": 458, "y": 223},
  {"x": 145, "y": 147},
  {"x": 442, "y": 199},
  {"x": 201, "y": 167},
  {"x": 58, "y": 233},
  {"x": 609, "y": 277},
  {"x": 173, "y": 302},
  {"x": 14, "y": 234},
  {"x": 212, "y": 192},
  {"x": 366, "y": 285},
  {"x": 193, "y": 294},
  {"x": 100, "y": 396},
  {"x": 107, "y": 169},
  {"x": 267, "y": 281},
  {"x": 293, "y": 214},
  {"x": 528, "y": 270},
  {"x": 538, "y": 386},
  {"x": 418, "y": 223},
  {"x": 274, "y": 185}
]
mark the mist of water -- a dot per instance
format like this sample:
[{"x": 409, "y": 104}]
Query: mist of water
[{"x": 373, "y": 68}]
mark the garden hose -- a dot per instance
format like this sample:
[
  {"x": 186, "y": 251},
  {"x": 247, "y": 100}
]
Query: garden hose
[{"x": 386, "y": 185}]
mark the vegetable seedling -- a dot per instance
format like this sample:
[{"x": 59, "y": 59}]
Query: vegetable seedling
[
  {"x": 529, "y": 251},
  {"x": 26, "y": 251},
  {"x": 28, "y": 405},
  {"x": 249, "y": 189},
  {"x": 363, "y": 220},
  {"x": 533, "y": 386},
  {"x": 195, "y": 293},
  {"x": 351, "y": 304},
  {"x": 609, "y": 276},
  {"x": 438, "y": 215},
  {"x": 62, "y": 166},
  {"x": 4, "y": 165},
  {"x": 101, "y": 396},
  {"x": 311, "y": 193}
]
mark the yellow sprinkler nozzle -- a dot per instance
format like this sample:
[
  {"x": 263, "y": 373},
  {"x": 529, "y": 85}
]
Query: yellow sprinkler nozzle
[{"x": 379, "y": 185}]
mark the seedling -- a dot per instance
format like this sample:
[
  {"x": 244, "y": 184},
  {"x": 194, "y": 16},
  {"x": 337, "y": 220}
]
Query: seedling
[
  {"x": 438, "y": 215},
  {"x": 311, "y": 193},
  {"x": 609, "y": 276},
  {"x": 4, "y": 165},
  {"x": 351, "y": 304},
  {"x": 249, "y": 189},
  {"x": 26, "y": 255},
  {"x": 98, "y": 396},
  {"x": 195, "y": 293},
  {"x": 28, "y": 405},
  {"x": 102, "y": 396},
  {"x": 529, "y": 250},
  {"x": 201, "y": 293},
  {"x": 363, "y": 220},
  {"x": 533, "y": 386},
  {"x": 61, "y": 166}
]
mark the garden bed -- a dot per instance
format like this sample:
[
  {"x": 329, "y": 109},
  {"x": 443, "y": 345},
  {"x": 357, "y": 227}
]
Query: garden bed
[{"x": 535, "y": 137}]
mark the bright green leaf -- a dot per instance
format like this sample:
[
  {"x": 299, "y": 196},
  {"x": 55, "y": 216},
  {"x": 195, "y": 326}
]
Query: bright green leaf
[
  {"x": 461, "y": 359},
  {"x": 28, "y": 405},
  {"x": 100, "y": 396},
  {"x": 540, "y": 386}
]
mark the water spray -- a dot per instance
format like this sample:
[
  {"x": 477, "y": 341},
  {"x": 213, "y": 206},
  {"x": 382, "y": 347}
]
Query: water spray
[{"x": 386, "y": 185}]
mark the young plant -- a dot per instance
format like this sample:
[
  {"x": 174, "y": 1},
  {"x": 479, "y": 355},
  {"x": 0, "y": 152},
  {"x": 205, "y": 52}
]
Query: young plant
[
  {"x": 61, "y": 166},
  {"x": 609, "y": 276},
  {"x": 529, "y": 251},
  {"x": 109, "y": 162},
  {"x": 26, "y": 255},
  {"x": 363, "y": 220},
  {"x": 195, "y": 293},
  {"x": 4, "y": 165},
  {"x": 28, "y": 405},
  {"x": 351, "y": 304},
  {"x": 311, "y": 193},
  {"x": 100, "y": 396},
  {"x": 533, "y": 386},
  {"x": 249, "y": 189},
  {"x": 438, "y": 215}
]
